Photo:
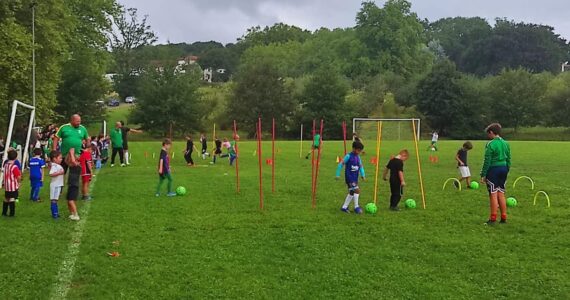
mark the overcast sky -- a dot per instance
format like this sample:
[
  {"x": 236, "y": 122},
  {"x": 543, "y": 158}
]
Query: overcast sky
[{"x": 226, "y": 20}]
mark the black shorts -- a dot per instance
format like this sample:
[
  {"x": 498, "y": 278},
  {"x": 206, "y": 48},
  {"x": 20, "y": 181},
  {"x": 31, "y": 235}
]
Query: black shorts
[
  {"x": 218, "y": 151},
  {"x": 11, "y": 195},
  {"x": 496, "y": 178},
  {"x": 73, "y": 183},
  {"x": 125, "y": 146}
]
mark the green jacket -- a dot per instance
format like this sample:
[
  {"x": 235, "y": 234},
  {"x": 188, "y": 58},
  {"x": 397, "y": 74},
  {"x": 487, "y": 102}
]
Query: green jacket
[
  {"x": 497, "y": 154},
  {"x": 116, "y": 138}
]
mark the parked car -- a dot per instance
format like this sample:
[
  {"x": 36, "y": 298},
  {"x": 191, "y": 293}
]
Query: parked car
[
  {"x": 100, "y": 103},
  {"x": 130, "y": 99},
  {"x": 113, "y": 102}
]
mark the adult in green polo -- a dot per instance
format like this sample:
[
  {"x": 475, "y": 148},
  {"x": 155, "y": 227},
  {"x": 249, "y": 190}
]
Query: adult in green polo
[
  {"x": 71, "y": 135},
  {"x": 117, "y": 144}
]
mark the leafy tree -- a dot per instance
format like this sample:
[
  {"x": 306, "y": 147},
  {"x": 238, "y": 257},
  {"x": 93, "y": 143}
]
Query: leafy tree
[
  {"x": 516, "y": 96},
  {"x": 558, "y": 98},
  {"x": 82, "y": 81},
  {"x": 130, "y": 33},
  {"x": 260, "y": 90},
  {"x": 277, "y": 34},
  {"x": 446, "y": 100},
  {"x": 393, "y": 35},
  {"x": 168, "y": 98},
  {"x": 324, "y": 98}
]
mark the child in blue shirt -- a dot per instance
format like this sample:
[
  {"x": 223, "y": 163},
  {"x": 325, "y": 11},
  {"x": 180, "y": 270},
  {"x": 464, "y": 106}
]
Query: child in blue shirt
[
  {"x": 36, "y": 174},
  {"x": 353, "y": 168}
]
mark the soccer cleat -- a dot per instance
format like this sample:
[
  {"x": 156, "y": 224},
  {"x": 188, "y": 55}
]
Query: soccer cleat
[
  {"x": 112, "y": 165},
  {"x": 123, "y": 165},
  {"x": 345, "y": 210},
  {"x": 456, "y": 184},
  {"x": 128, "y": 164},
  {"x": 394, "y": 208},
  {"x": 358, "y": 210},
  {"x": 503, "y": 221},
  {"x": 171, "y": 194},
  {"x": 157, "y": 194},
  {"x": 87, "y": 198},
  {"x": 490, "y": 223},
  {"x": 74, "y": 217}
]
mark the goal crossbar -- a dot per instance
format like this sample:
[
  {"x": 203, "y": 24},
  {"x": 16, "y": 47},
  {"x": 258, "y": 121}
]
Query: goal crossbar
[{"x": 418, "y": 133}]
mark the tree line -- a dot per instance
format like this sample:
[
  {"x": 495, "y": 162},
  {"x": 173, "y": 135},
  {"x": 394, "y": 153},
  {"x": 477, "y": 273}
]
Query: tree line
[{"x": 457, "y": 73}]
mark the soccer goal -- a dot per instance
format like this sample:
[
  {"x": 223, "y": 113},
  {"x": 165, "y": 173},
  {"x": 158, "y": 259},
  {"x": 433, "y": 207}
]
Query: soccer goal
[
  {"x": 21, "y": 142},
  {"x": 383, "y": 139}
]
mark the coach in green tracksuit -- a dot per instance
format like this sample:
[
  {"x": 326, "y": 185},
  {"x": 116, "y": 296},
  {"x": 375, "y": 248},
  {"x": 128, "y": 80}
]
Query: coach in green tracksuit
[
  {"x": 495, "y": 170},
  {"x": 117, "y": 144}
]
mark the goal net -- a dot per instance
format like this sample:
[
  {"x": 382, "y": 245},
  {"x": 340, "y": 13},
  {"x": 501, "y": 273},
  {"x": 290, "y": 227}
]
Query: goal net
[
  {"x": 19, "y": 132},
  {"x": 384, "y": 139}
]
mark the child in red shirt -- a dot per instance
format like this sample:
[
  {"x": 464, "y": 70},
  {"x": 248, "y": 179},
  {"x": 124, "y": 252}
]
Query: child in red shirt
[
  {"x": 86, "y": 162},
  {"x": 11, "y": 184}
]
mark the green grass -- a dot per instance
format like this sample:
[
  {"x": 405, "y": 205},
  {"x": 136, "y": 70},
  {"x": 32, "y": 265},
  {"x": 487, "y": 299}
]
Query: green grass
[{"x": 214, "y": 243}]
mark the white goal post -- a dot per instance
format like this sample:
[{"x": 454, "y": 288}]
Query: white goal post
[
  {"x": 415, "y": 120},
  {"x": 25, "y": 150}
]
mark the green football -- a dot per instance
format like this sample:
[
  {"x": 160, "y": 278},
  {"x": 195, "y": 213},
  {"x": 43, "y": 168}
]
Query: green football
[
  {"x": 371, "y": 208},
  {"x": 474, "y": 185},
  {"x": 410, "y": 203},
  {"x": 511, "y": 202},
  {"x": 180, "y": 191}
]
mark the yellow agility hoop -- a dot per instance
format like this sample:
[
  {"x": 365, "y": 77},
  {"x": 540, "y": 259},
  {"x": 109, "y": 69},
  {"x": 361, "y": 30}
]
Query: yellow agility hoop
[
  {"x": 545, "y": 195},
  {"x": 452, "y": 179},
  {"x": 524, "y": 177}
]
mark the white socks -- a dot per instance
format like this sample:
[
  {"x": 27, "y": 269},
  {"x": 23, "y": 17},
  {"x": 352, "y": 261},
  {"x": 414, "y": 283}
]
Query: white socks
[
  {"x": 347, "y": 201},
  {"x": 127, "y": 157},
  {"x": 349, "y": 198}
]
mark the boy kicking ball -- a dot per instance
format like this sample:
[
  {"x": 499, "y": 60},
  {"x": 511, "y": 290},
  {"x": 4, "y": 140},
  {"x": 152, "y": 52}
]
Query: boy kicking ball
[
  {"x": 353, "y": 168},
  {"x": 461, "y": 158},
  {"x": 164, "y": 169}
]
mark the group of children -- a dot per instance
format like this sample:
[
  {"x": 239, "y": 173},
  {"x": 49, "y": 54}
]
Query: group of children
[
  {"x": 496, "y": 166},
  {"x": 92, "y": 156},
  {"x": 218, "y": 146}
]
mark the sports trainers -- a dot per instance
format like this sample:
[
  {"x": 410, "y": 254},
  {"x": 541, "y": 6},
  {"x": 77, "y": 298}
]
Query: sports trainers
[
  {"x": 171, "y": 194},
  {"x": 358, "y": 210},
  {"x": 456, "y": 184},
  {"x": 112, "y": 165},
  {"x": 346, "y": 210},
  {"x": 123, "y": 165},
  {"x": 86, "y": 198},
  {"x": 490, "y": 223},
  {"x": 394, "y": 208},
  {"x": 157, "y": 194},
  {"x": 503, "y": 221},
  {"x": 74, "y": 217}
]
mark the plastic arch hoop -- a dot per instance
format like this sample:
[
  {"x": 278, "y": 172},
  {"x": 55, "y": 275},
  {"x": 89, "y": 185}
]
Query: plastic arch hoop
[
  {"x": 524, "y": 177},
  {"x": 545, "y": 195},
  {"x": 451, "y": 179}
]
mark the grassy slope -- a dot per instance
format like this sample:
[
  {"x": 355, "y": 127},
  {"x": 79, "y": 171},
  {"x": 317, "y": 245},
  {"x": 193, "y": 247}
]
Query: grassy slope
[{"x": 214, "y": 243}]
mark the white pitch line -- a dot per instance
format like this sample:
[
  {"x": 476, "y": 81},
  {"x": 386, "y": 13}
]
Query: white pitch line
[{"x": 65, "y": 273}]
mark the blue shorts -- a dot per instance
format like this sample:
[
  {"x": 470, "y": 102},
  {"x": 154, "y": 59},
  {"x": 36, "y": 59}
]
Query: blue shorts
[
  {"x": 352, "y": 186},
  {"x": 496, "y": 178}
]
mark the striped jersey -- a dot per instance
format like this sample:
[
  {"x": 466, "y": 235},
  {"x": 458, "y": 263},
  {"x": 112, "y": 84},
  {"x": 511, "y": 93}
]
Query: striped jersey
[{"x": 12, "y": 176}]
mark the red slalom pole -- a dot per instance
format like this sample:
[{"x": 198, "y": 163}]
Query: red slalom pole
[
  {"x": 260, "y": 165},
  {"x": 237, "y": 156},
  {"x": 313, "y": 158},
  {"x": 273, "y": 156},
  {"x": 344, "y": 135}
]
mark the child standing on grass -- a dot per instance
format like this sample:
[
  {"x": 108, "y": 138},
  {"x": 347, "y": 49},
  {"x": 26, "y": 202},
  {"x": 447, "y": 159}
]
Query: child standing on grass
[
  {"x": 217, "y": 150},
  {"x": 164, "y": 169},
  {"x": 11, "y": 184},
  {"x": 397, "y": 182},
  {"x": 103, "y": 145},
  {"x": 189, "y": 149},
  {"x": 353, "y": 168},
  {"x": 86, "y": 162},
  {"x": 56, "y": 173},
  {"x": 36, "y": 174},
  {"x": 204, "y": 143},
  {"x": 495, "y": 170},
  {"x": 464, "y": 172}
]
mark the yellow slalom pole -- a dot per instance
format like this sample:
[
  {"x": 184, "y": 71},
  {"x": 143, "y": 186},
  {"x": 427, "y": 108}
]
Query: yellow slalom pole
[
  {"x": 301, "y": 151},
  {"x": 419, "y": 165},
  {"x": 214, "y": 138},
  {"x": 378, "y": 141}
]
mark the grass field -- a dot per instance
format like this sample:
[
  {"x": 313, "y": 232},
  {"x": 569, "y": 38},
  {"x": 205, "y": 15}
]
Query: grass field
[{"x": 214, "y": 243}]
